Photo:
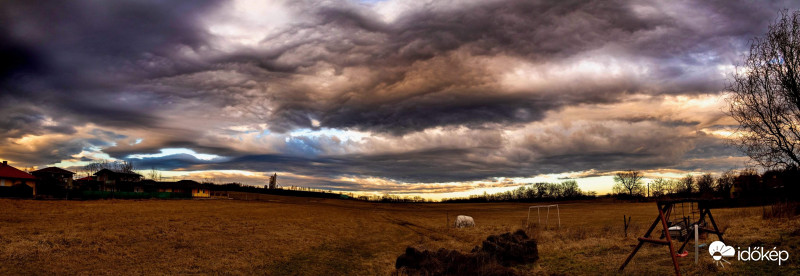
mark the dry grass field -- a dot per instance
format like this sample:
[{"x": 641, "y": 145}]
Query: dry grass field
[{"x": 277, "y": 235}]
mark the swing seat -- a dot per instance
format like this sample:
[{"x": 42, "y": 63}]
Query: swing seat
[
  {"x": 677, "y": 231},
  {"x": 681, "y": 255}
]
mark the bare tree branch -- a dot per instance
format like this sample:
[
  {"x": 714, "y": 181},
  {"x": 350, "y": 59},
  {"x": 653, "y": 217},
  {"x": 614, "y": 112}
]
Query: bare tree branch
[
  {"x": 629, "y": 181},
  {"x": 765, "y": 97}
]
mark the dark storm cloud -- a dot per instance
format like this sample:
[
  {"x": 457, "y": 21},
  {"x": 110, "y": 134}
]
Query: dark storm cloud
[
  {"x": 410, "y": 167},
  {"x": 72, "y": 40},
  {"x": 50, "y": 153},
  {"x": 86, "y": 65},
  {"x": 593, "y": 147},
  {"x": 682, "y": 46},
  {"x": 429, "y": 111},
  {"x": 143, "y": 64},
  {"x": 64, "y": 144},
  {"x": 458, "y": 94},
  {"x": 169, "y": 162},
  {"x": 75, "y": 58},
  {"x": 711, "y": 147},
  {"x": 69, "y": 63},
  {"x": 19, "y": 121}
]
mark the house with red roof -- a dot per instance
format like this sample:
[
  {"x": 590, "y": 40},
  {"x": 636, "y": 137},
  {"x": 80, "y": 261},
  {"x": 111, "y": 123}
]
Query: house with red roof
[{"x": 10, "y": 177}]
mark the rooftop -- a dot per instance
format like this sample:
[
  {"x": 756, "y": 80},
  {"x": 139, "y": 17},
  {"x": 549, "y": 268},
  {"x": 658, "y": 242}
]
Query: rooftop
[
  {"x": 7, "y": 171},
  {"x": 116, "y": 172},
  {"x": 53, "y": 170}
]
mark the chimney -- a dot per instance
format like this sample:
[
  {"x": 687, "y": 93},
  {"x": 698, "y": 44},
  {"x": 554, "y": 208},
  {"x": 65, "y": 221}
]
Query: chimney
[{"x": 5, "y": 162}]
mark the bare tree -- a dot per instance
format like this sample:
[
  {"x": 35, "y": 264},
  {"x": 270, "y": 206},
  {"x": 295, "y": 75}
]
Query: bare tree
[
  {"x": 124, "y": 166},
  {"x": 118, "y": 166},
  {"x": 660, "y": 186},
  {"x": 92, "y": 168},
  {"x": 705, "y": 183},
  {"x": 765, "y": 97},
  {"x": 725, "y": 182},
  {"x": 154, "y": 174},
  {"x": 675, "y": 186},
  {"x": 570, "y": 189},
  {"x": 629, "y": 181},
  {"x": 687, "y": 184}
]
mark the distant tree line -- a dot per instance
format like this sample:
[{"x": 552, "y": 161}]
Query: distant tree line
[
  {"x": 567, "y": 190},
  {"x": 287, "y": 191},
  {"x": 733, "y": 183},
  {"x": 688, "y": 185},
  {"x": 389, "y": 198}
]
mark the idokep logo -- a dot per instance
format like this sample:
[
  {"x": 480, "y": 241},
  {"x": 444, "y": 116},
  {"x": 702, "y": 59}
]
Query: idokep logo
[
  {"x": 718, "y": 250},
  {"x": 758, "y": 254}
]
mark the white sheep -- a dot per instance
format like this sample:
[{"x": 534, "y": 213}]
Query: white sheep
[{"x": 464, "y": 221}]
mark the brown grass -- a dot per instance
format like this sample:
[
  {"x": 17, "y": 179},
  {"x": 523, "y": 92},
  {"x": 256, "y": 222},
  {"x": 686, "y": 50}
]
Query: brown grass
[
  {"x": 786, "y": 209},
  {"x": 286, "y": 235}
]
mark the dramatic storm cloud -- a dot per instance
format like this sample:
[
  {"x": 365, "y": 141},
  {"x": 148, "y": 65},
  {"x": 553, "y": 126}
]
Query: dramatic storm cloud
[{"x": 381, "y": 96}]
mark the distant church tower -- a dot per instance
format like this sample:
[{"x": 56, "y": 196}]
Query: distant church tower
[{"x": 273, "y": 181}]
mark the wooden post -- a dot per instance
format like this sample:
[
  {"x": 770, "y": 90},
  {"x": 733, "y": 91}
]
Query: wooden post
[
  {"x": 558, "y": 213},
  {"x": 626, "y": 223},
  {"x": 547, "y": 218},
  {"x": 636, "y": 249},
  {"x": 663, "y": 212},
  {"x": 696, "y": 249},
  {"x": 528, "y": 221}
]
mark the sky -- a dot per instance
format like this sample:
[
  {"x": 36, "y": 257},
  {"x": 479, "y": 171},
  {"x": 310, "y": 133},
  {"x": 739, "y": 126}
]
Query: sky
[{"x": 432, "y": 98}]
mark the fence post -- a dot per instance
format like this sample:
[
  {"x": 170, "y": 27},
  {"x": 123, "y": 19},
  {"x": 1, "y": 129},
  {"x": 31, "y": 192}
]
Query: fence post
[
  {"x": 625, "y": 224},
  {"x": 528, "y": 221},
  {"x": 695, "y": 243},
  {"x": 558, "y": 212}
]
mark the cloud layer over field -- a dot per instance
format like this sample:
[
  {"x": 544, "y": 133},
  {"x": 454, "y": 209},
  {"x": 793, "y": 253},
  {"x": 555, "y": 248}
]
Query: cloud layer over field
[{"x": 374, "y": 96}]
